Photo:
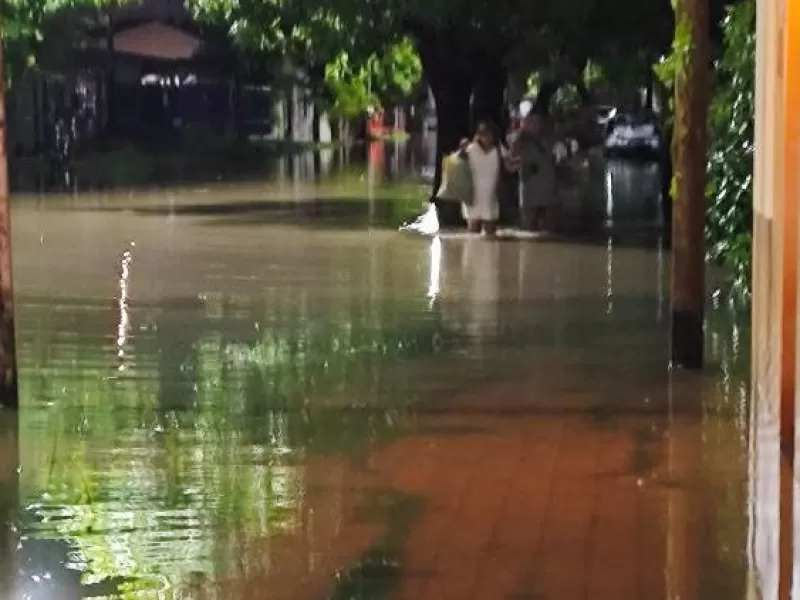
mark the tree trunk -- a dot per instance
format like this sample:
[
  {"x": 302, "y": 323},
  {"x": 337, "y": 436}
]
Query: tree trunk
[
  {"x": 36, "y": 113},
  {"x": 545, "y": 96},
  {"x": 8, "y": 358},
  {"x": 316, "y": 136},
  {"x": 450, "y": 76},
  {"x": 689, "y": 157},
  {"x": 237, "y": 101},
  {"x": 289, "y": 112},
  {"x": 112, "y": 126},
  {"x": 649, "y": 88},
  {"x": 516, "y": 89},
  {"x": 316, "y": 124},
  {"x": 665, "y": 172},
  {"x": 46, "y": 122},
  {"x": 489, "y": 95},
  {"x": 452, "y": 97},
  {"x": 361, "y": 133},
  {"x": 9, "y": 506},
  {"x": 584, "y": 92}
]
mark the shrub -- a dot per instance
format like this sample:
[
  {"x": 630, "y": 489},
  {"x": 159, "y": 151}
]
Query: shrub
[{"x": 731, "y": 148}]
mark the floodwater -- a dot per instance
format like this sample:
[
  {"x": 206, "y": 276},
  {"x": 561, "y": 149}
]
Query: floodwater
[{"x": 241, "y": 391}]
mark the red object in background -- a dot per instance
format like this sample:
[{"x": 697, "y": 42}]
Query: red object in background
[
  {"x": 376, "y": 157},
  {"x": 375, "y": 124}
]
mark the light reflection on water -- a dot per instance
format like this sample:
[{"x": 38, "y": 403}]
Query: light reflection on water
[
  {"x": 124, "y": 319},
  {"x": 434, "y": 281},
  {"x": 272, "y": 371}
]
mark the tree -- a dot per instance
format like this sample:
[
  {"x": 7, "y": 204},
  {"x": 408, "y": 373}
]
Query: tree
[
  {"x": 471, "y": 47},
  {"x": 20, "y": 31},
  {"x": 354, "y": 37},
  {"x": 688, "y": 70},
  {"x": 9, "y": 394},
  {"x": 729, "y": 216},
  {"x": 388, "y": 76},
  {"x": 26, "y": 24},
  {"x": 467, "y": 48}
]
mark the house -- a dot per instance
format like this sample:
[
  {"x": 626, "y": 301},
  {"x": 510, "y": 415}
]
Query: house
[{"x": 144, "y": 70}]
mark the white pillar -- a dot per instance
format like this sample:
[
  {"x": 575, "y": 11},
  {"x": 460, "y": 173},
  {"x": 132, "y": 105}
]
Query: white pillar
[{"x": 774, "y": 331}]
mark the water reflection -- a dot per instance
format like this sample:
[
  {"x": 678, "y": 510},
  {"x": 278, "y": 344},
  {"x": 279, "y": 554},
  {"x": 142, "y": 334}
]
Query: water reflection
[
  {"x": 123, "y": 326},
  {"x": 326, "y": 412},
  {"x": 660, "y": 279},
  {"x": 480, "y": 278},
  {"x": 295, "y": 168},
  {"x": 434, "y": 281},
  {"x": 632, "y": 191},
  {"x": 609, "y": 197},
  {"x": 285, "y": 166},
  {"x": 610, "y": 276}
]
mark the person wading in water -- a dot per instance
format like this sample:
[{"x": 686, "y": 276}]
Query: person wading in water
[
  {"x": 486, "y": 163},
  {"x": 531, "y": 156}
]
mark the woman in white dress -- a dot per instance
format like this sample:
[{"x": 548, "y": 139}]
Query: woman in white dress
[{"x": 486, "y": 165}]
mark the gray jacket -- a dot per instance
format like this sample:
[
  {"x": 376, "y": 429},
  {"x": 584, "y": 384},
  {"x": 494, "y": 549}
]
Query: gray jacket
[{"x": 537, "y": 170}]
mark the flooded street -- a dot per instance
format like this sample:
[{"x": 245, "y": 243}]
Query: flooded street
[{"x": 263, "y": 390}]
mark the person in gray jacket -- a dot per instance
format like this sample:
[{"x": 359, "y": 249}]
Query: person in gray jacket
[{"x": 531, "y": 156}]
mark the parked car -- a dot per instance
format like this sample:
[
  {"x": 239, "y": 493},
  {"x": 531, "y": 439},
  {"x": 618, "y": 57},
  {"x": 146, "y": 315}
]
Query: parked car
[{"x": 630, "y": 137}]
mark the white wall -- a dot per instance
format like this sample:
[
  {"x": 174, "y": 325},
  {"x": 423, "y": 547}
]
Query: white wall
[{"x": 768, "y": 247}]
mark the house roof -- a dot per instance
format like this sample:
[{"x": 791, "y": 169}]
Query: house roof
[{"x": 157, "y": 40}]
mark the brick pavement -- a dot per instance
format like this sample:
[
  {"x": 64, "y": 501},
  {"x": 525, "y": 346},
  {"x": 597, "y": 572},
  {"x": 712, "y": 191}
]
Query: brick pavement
[{"x": 521, "y": 507}]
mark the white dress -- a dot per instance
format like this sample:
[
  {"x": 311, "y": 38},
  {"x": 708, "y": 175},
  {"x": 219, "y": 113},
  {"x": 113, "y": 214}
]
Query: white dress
[{"x": 485, "y": 167}]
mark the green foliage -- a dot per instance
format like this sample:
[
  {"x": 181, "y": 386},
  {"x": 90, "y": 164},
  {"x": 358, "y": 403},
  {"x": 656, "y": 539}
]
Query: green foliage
[
  {"x": 566, "y": 99},
  {"x": 25, "y": 24},
  {"x": 357, "y": 86},
  {"x": 20, "y": 33},
  {"x": 621, "y": 71},
  {"x": 362, "y": 67},
  {"x": 533, "y": 84},
  {"x": 399, "y": 70},
  {"x": 669, "y": 71},
  {"x": 524, "y": 35},
  {"x": 593, "y": 74},
  {"x": 671, "y": 67},
  {"x": 731, "y": 122},
  {"x": 299, "y": 30},
  {"x": 350, "y": 86},
  {"x": 674, "y": 64},
  {"x": 624, "y": 36}
]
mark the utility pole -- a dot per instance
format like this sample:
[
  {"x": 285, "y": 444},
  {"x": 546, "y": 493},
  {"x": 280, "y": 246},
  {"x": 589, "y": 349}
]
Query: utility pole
[
  {"x": 9, "y": 395},
  {"x": 689, "y": 147}
]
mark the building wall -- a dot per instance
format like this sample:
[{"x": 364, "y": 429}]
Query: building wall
[
  {"x": 775, "y": 526},
  {"x": 791, "y": 197}
]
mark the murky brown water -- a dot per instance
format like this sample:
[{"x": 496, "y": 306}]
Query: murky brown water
[{"x": 223, "y": 398}]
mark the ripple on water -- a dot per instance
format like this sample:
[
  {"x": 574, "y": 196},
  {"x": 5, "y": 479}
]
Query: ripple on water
[{"x": 285, "y": 392}]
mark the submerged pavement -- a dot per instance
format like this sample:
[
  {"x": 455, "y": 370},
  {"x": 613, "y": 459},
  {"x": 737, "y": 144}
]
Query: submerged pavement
[{"x": 224, "y": 399}]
